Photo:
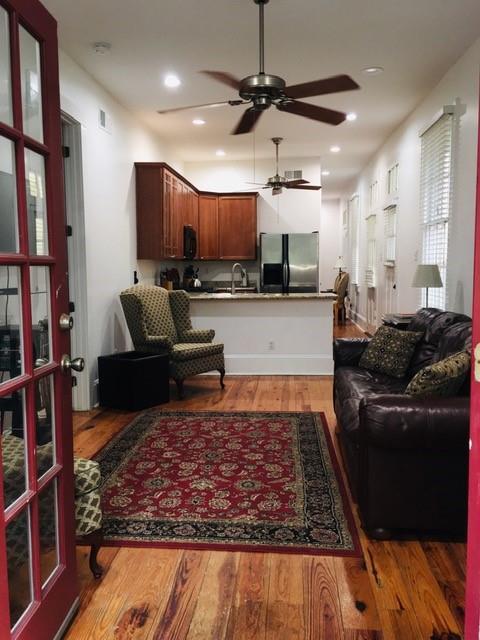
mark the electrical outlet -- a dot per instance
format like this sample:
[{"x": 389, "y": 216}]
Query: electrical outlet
[{"x": 271, "y": 345}]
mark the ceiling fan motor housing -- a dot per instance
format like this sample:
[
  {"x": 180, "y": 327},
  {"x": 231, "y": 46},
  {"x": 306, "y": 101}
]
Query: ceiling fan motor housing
[{"x": 262, "y": 89}]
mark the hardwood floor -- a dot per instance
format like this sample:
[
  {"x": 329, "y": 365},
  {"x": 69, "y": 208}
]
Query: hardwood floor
[{"x": 398, "y": 591}]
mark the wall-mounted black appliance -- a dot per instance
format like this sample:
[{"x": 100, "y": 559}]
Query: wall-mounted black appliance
[{"x": 189, "y": 242}]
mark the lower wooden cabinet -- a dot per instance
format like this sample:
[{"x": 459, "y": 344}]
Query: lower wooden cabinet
[{"x": 226, "y": 224}]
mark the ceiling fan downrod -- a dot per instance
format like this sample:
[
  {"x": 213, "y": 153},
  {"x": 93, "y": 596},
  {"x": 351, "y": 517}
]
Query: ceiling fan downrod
[{"x": 261, "y": 33}]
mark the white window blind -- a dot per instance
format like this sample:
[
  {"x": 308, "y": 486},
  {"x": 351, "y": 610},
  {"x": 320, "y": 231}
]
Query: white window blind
[
  {"x": 373, "y": 197},
  {"x": 435, "y": 201},
  {"x": 370, "y": 276},
  {"x": 392, "y": 180},
  {"x": 389, "y": 235},
  {"x": 353, "y": 234}
]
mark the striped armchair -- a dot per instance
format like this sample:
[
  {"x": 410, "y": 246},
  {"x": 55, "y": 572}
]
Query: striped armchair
[{"x": 159, "y": 321}]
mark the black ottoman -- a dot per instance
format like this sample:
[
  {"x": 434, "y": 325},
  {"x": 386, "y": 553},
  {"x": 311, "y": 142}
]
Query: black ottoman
[{"x": 133, "y": 380}]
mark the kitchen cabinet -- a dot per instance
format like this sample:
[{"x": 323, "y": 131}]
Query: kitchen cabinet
[
  {"x": 226, "y": 224},
  {"x": 208, "y": 227},
  {"x": 237, "y": 224}
]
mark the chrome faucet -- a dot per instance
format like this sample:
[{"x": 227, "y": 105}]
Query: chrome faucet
[{"x": 242, "y": 272}]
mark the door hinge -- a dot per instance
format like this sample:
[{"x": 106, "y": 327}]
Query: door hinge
[
  {"x": 66, "y": 152},
  {"x": 71, "y": 307},
  {"x": 69, "y": 230}
]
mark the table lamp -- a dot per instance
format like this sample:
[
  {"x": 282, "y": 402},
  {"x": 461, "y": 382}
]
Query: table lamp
[
  {"x": 340, "y": 265},
  {"x": 427, "y": 275}
]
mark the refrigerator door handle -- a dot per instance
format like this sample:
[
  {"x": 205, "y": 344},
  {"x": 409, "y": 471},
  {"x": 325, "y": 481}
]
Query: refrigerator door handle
[{"x": 285, "y": 278}]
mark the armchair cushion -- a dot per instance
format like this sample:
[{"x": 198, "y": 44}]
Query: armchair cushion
[
  {"x": 390, "y": 351},
  {"x": 189, "y": 351}
]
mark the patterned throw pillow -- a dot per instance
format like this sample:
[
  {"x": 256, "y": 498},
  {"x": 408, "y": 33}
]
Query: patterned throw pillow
[
  {"x": 444, "y": 378},
  {"x": 390, "y": 351}
]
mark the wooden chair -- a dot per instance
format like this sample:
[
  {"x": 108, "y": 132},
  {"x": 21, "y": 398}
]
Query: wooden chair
[{"x": 341, "y": 286}]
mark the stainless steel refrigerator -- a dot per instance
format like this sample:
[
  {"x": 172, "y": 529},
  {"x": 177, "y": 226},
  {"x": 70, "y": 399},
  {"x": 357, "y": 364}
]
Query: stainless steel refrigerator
[{"x": 289, "y": 262}]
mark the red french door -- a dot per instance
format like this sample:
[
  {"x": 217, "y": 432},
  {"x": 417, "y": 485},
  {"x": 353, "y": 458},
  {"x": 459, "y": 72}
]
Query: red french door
[
  {"x": 37, "y": 554},
  {"x": 472, "y": 620}
]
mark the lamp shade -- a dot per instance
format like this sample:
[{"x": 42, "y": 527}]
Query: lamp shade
[
  {"x": 340, "y": 263},
  {"x": 427, "y": 275}
]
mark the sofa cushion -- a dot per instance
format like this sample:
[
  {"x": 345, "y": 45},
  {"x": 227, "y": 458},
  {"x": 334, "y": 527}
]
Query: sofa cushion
[
  {"x": 352, "y": 384},
  {"x": 190, "y": 350},
  {"x": 456, "y": 338},
  {"x": 443, "y": 378},
  {"x": 390, "y": 351}
]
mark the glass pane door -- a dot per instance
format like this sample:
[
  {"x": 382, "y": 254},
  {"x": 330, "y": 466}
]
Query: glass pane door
[{"x": 37, "y": 534}]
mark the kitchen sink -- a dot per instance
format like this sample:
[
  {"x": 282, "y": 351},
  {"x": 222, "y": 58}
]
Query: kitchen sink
[{"x": 237, "y": 290}]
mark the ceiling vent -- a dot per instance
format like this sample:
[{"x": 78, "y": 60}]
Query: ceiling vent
[{"x": 295, "y": 174}]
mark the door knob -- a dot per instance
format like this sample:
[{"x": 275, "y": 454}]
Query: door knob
[
  {"x": 65, "y": 322},
  {"x": 66, "y": 364}
]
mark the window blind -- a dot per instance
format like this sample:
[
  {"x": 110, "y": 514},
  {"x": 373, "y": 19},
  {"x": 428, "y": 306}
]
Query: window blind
[
  {"x": 389, "y": 235},
  {"x": 435, "y": 201},
  {"x": 353, "y": 224},
  {"x": 370, "y": 278}
]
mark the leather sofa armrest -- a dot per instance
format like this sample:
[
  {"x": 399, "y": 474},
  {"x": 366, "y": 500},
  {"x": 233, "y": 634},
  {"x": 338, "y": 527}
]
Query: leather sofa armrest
[
  {"x": 162, "y": 342},
  {"x": 407, "y": 422},
  {"x": 348, "y": 351},
  {"x": 197, "y": 335}
]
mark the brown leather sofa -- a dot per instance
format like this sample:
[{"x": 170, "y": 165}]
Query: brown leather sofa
[{"x": 406, "y": 457}]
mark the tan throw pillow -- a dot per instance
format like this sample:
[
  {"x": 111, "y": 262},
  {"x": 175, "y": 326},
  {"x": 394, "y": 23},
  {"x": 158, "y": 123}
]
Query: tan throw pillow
[
  {"x": 390, "y": 351},
  {"x": 444, "y": 378}
]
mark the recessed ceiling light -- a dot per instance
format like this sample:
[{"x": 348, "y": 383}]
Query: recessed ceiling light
[
  {"x": 219, "y": 152},
  {"x": 172, "y": 81},
  {"x": 198, "y": 122},
  {"x": 325, "y": 173},
  {"x": 351, "y": 117},
  {"x": 372, "y": 71},
  {"x": 335, "y": 148}
]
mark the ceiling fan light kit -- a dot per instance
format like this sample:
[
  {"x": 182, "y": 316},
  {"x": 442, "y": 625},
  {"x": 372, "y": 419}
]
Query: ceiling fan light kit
[{"x": 262, "y": 90}]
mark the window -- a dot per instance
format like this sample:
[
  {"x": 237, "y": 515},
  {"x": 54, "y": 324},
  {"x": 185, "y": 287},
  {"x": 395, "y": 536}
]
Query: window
[
  {"x": 389, "y": 235},
  {"x": 353, "y": 236},
  {"x": 435, "y": 201},
  {"x": 370, "y": 276},
  {"x": 373, "y": 198},
  {"x": 392, "y": 180}
]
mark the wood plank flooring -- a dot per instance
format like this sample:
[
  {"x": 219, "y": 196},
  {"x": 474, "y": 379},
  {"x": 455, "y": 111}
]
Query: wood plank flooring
[{"x": 398, "y": 591}]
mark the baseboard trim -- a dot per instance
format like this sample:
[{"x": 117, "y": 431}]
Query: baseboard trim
[{"x": 279, "y": 364}]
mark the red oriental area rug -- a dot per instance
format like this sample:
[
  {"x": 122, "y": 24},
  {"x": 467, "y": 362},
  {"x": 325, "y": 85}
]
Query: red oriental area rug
[{"x": 251, "y": 481}]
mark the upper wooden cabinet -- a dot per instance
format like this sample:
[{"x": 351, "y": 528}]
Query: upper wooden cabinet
[
  {"x": 208, "y": 227},
  {"x": 237, "y": 222},
  {"x": 226, "y": 225}
]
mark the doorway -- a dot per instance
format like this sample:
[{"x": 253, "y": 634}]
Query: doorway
[{"x": 77, "y": 261}]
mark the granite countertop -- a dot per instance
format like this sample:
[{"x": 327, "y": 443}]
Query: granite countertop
[{"x": 262, "y": 296}]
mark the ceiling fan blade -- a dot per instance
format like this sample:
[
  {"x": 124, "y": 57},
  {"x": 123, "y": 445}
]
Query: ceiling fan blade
[
  {"x": 335, "y": 84},
  {"x": 224, "y": 78},
  {"x": 313, "y": 112},
  {"x": 309, "y": 187},
  {"x": 276, "y": 191},
  {"x": 247, "y": 121},
  {"x": 259, "y": 184},
  {"x": 208, "y": 105},
  {"x": 294, "y": 183}
]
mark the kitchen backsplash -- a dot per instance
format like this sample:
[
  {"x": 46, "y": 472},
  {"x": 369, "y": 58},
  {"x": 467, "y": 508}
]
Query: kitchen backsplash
[{"x": 217, "y": 272}]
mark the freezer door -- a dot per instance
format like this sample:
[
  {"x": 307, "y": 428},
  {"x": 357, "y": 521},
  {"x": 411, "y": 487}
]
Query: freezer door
[
  {"x": 271, "y": 264},
  {"x": 303, "y": 262}
]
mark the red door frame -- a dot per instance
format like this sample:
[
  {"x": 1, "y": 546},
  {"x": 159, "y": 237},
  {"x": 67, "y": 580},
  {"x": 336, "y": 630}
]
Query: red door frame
[
  {"x": 472, "y": 598},
  {"x": 51, "y": 604}
]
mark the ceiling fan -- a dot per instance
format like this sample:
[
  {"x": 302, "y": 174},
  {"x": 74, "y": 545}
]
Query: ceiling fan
[
  {"x": 263, "y": 89},
  {"x": 277, "y": 182}
]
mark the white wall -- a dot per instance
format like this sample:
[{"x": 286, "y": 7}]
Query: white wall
[
  {"x": 109, "y": 197},
  {"x": 461, "y": 82},
  {"x": 330, "y": 241}
]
